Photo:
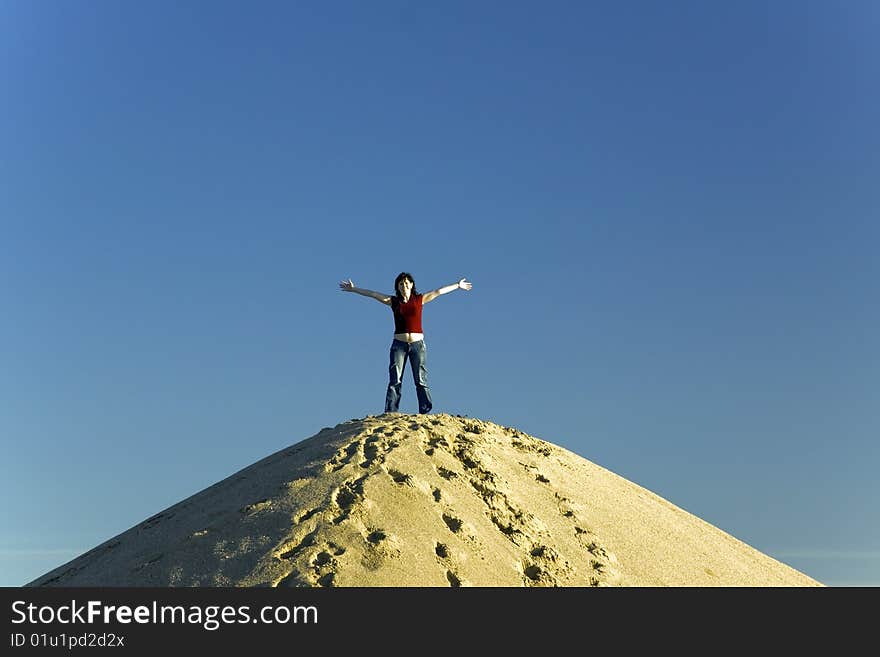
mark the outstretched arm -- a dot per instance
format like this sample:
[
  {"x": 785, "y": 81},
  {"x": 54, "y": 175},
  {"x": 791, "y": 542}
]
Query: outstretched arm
[
  {"x": 463, "y": 284},
  {"x": 348, "y": 286}
]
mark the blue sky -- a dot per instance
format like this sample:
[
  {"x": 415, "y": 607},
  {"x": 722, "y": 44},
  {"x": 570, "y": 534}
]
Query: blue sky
[{"x": 669, "y": 212}]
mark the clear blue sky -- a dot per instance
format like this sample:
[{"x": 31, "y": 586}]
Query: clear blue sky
[{"x": 669, "y": 212}]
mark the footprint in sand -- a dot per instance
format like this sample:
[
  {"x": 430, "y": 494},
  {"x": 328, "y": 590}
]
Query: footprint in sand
[
  {"x": 347, "y": 497},
  {"x": 401, "y": 478},
  {"x": 447, "y": 474},
  {"x": 601, "y": 562},
  {"x": 452, "y": 522},
  {"x": 320, "y": 569},
  {"x": 343, "y": 456},
  {"x": 256, "y": 507},
  {"x": 441, "y": 551},
  {"x": 543, "y": 566}
]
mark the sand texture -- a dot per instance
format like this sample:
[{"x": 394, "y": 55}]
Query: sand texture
[{"x": 424, "y": 500}]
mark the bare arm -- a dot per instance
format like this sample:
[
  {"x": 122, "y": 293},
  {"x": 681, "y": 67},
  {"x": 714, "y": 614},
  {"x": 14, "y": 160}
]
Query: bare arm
[
  {"x": 348, "y": 286},
  {"x": 463, "y": 284}
]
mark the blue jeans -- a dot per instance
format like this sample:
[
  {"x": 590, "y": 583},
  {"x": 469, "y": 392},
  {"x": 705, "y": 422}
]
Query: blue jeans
[{"x": 417, "y": 354}]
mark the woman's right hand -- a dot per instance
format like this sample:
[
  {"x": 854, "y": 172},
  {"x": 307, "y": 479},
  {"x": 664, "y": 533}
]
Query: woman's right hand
[{"x": 347, "y": 286}]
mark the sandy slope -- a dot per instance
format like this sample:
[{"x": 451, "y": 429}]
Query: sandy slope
[{"x": 435, "y": 500}]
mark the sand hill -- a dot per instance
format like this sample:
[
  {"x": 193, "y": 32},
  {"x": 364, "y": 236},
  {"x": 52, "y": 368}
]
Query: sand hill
[{"x": 424, "y": 500}]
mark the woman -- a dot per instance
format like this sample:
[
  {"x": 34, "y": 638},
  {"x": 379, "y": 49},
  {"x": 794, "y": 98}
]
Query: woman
[{"x": 409, "y": 340}]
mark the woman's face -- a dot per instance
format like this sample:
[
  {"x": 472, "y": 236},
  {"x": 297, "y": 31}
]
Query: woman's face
[{"x": 405, "y": 287}]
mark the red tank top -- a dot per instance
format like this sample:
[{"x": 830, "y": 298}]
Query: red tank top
[{"x": 407, "y": 316}]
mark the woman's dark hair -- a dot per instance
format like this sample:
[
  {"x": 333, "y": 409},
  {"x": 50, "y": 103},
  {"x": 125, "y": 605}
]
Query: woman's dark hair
[{"x": 404, "y": 275}]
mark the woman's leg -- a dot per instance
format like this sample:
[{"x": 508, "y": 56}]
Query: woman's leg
[
  {"x": 418, "y": 361},
  {"x": 397, "y": 361}
]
